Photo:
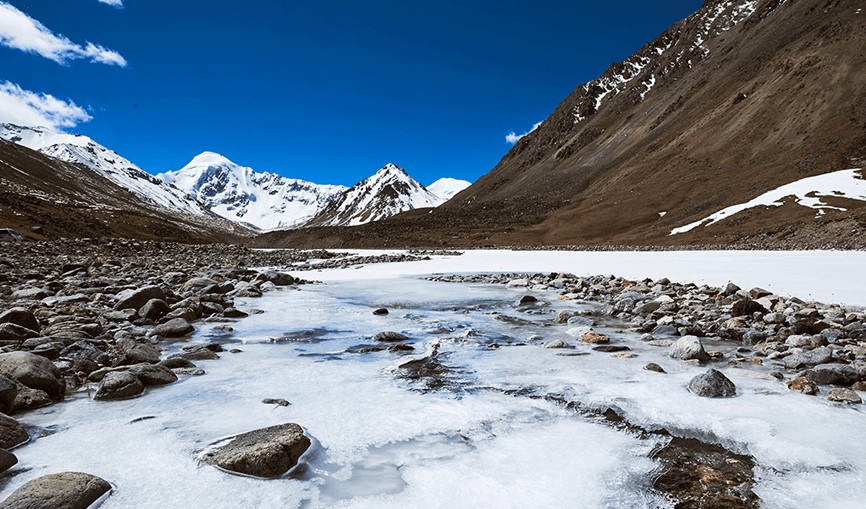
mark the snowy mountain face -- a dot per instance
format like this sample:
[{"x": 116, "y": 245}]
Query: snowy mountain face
[
  {"x": 446, "y": 188},
  {"x": 81, "y": 150},
  {"x": 388, "y": 192},
  {"x": 264, "y": 200}
]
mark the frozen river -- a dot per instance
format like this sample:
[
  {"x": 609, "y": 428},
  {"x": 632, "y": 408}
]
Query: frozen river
[{"x": 489, "y": 429}]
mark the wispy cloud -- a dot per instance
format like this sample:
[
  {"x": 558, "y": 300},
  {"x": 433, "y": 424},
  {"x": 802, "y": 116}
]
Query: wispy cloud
[
  {"x": 513, "y": 137},
  {"x": 23, "y": 107},
  {"x": 20, "y": 31},
  {"x": 114, "y": 3}
]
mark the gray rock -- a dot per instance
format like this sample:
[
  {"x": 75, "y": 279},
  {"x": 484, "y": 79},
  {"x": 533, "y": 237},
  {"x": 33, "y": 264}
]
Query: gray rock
[
  {"x": 268, "y": 452},
  {"x": 7, "y": 460},
  {"x": 277, "y": 278},
  {"x": 526, "y": 299},
  {"x": 647, "y": 307},
  {"x": 774, "y": 318},
  {"x": 563, "y": 316},
  {"x": 20, "y": 316},
  {"x": 28, "y": 399},
  {"x": 665, "y": 330},
  {"x": 29, "y": 293},
  {"x": 117, "y": 385},
  {"x": 836, "y": 374},
  {"x": 150, "y": 375},
  {"x": 12, "y": 433},
  {"x": 556, "y": 343},
  {"x": 33, "y": 371},
  {"x": 688, "y": 348},
  {"x": 154, "y": 309},
  {"x": 276, "y": 401},
  {"x": 712, "y": 384},
  {"x": 174, "y": 328},
  {"x": 176, "y": 362},
  {"x": 13, "y": 332},
  {"x": 390, "y": 337},
  {"x": 821, "y": 355},
  {"x": 8, "y": 392},
  {"x": 124, "y": 315},
  {"x": 197, "y": 283},
  {"x": 137, "y": 298},
  {"x": 232, "y": 312},
  {"x": 844, "y": 395},
  {"x": 746, "y": 307},
  {"x": 66, "y": 490},
  {"x": 799, "y": 341},
  {"x": 652, "y": 366},
  {"x": 84, "y": 350},
  {"x": 188, "y": 371}
]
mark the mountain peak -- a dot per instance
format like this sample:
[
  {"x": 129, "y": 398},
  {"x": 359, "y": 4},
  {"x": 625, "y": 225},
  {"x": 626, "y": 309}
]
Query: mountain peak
[{"x": 210, "y": 159}]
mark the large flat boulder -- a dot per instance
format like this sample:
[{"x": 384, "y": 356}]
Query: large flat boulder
[
  {"x": 66, "y": 490},
  {"x": 118, "y": 385},
  {"x": 34, "y": 371},
  {"x": 20, "y": 316},
  {"x": 136, "y": 299},
  {"x": 267, "y": 452}
]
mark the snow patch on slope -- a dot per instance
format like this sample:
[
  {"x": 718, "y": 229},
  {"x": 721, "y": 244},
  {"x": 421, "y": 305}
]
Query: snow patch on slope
[
  {"x": 264, "y": 200},
  {"x": 807, "y": 192}
]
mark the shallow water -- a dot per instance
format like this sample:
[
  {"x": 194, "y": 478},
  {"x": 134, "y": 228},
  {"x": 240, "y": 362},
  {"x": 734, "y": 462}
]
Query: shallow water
[{"x": 483, "y": 427}]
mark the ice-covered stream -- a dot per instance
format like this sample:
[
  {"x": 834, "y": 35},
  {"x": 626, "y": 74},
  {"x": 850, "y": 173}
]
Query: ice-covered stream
[{"x": 483, "y": 436}]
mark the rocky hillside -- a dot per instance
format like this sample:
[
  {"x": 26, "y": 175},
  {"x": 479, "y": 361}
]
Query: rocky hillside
[
  {"x": 726, "y": 108},
  {"x": 42, "y": 197}
]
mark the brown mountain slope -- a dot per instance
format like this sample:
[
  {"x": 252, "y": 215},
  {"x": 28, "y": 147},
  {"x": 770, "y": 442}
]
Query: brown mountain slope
[
  {"x": 736, "y": 100},
  {"x": 70, "y": 201}
]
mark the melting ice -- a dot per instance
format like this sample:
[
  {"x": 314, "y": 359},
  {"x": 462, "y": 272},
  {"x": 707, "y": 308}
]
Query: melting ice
[{"x": 492, "y": 432}]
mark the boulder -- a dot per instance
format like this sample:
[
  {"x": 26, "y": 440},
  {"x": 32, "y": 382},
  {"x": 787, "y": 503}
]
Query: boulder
[
  {"x": 8, "y": 391},
  {"x": 556, "y": 343},
  {"x": 836, "y": 374},
  {"x": 526, "y": 299},
  {"x": 28, "y": 398},
  {"x": 745, "y": 307},
  {"x": 12, "y": 432},
  {"x": 7, "y": 460},
  {"x": 176, "y": 362},
  {"x": 84, "y": 350},
  {"x": 13, "y": 332},
  {"x": 652, "y": 366},
  {"x": 150, "y": 375},
  {"x": 174, "y": 328},
  {"x": 20, "y": 316},
  {"x": 267, "y": 452},
  {"x": 390, "y": 337},
  {"x": 563, "y": 316},
  {"x": 844, "y": 395},
  {"x": 29, "y": 294},
  {"x": 712, "y": 384},
  {"x": 33, "y": 371},
  {"x": 66, "y": 490},
  {"x": 137, "y": 298},
  {"x": 154, "y": 309},
  {"x": 232, "y": 312},
  {"x": 117, "y": 385},
  {"x": 277, "y": 278},
  {"x": 688, "y": 348},
  {"x": 197, "y": 283},
  {"x": 817, "y": 356},
  {"x": 595, "y": 338},
  {"x": 804, "y": 385},
  {"x": 380, "y": 311}
]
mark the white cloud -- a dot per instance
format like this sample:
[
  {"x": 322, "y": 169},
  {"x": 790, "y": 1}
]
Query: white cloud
[
  {"x": 20, "y": 31},
  {"x": 23, "y": 107},
  {"x": 513, "y": 137},
  {"x": 114, "y": 3}
]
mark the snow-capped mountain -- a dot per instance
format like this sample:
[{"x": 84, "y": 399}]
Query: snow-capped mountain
[
  {"x": 446, "y": 188},
  {"x": 264, "y": 200},
  {"x": 81, "y": 150},
  {"x": 388, "y": 192}
]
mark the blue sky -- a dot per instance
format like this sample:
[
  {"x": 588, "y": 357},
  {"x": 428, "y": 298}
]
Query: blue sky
[{"x": 326, "y": 91}]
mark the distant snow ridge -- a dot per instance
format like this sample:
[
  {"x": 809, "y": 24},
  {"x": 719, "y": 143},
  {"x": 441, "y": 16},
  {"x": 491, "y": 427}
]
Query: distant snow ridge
[
  {"x": 446, "y": 188},
  {"x": 388, "y": 192},
  {"x": 81, "y": 150},
  {"x": 807, "y": 192},
  {"x": 264, "y": 200}
]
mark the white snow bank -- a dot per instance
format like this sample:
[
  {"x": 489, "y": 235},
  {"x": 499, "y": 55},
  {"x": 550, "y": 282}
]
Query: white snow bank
[
  {"x": 826, "y": 276},
  {"x": 807, "y": 192}
]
